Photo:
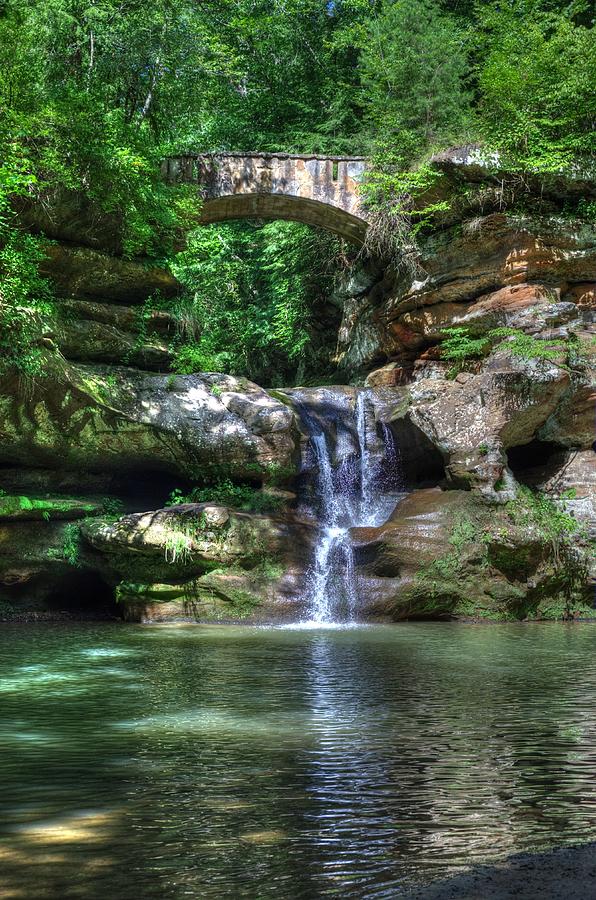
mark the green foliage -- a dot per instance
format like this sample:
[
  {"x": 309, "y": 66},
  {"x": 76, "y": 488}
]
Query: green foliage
[
  {"x": 112, "y": 506},
  {"x": 518, "y": 78},
  {"x": 226, "y": 493},
  {"x": 26, "y": 303},
  {"x": 533, "y": 508},
  {"x": 70, "y": 550},
  {"x": 414, "y": 63},
  {"x": 71, "y": 544},
  {"x": 413, "y": 68},
  {"x": 465, "y": 533},
  {"x": 528, "y": 347},
  {"x": 93, "y": 95},
  {"x": 251, "y": 299},
  {"x": 460, "y": 346},
  {"x": 569, "y": 559},
  {"x": 144, "y": 314},
  {"x": 178, "y": 545},
  {"x": 83, "y": 104},
  {"x": 537, "y": 84}
]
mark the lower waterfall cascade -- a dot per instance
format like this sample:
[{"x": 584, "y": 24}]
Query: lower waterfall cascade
[{"x": 360, "y": 490}]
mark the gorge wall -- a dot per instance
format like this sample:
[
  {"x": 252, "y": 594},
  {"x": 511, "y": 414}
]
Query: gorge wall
[{"x": 91, "y": 451}]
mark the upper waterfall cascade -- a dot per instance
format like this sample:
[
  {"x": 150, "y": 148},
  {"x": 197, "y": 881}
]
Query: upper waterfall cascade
[{"x": 354, "y": 486}]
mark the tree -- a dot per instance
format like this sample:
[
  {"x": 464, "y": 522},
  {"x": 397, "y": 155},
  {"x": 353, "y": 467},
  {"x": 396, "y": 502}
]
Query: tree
[
  {"x": 413, "y": 70},
  {"x": 537, "y": 85}
]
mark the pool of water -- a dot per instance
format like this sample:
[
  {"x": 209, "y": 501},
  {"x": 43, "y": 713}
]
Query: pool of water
[{"x": 202, "y": 761}]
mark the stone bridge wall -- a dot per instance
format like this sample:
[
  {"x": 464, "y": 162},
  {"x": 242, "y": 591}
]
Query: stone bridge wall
[{"x": 317, "y": 190}]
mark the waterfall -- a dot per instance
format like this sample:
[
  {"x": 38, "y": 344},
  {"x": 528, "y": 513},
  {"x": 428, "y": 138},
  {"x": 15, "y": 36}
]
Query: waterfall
[{"x": 354, "y": 493}]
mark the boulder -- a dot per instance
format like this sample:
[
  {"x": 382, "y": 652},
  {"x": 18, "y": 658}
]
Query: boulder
[
  {"x": 192, "y": 538},
  {"x": 120, "y": 420},
  {"x": 93, "y": 332},
  {"x": 473, "y": 419},
  {"x": 387, "y": 376},
  {"x": 84, "y": 273},
  {"x": 451, "y": 554},
  {"x": 205, "y": 562},
  {"x": 572, "y": 422}
]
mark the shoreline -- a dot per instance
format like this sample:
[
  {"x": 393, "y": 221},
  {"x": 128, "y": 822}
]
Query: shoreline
[
  {"x": 563, "y": 873},
  {"x": 67, "y": 617}
]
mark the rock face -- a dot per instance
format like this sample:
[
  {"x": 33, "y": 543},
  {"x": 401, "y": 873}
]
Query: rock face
[
  {"x": 108, "y": 306},
  {"x": 203, "y": 561},
  {"x": 493, "y": 271},
  {"x": 108, "y": 433},
  {"x": 115, "y": 334},
  {"x": 122, "y": 420},
  {"x": 450, "y": 553}
]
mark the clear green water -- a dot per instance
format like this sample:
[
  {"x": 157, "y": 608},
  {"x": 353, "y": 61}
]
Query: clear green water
[{"x": 190, "y": 761}]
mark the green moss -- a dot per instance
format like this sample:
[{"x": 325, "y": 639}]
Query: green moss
[
  {"x": 23, "y": 507},
  {"x": 559, "y": 610},
  {"x": 481, "y": 608},
  {"x": 204, "y": 598},
  {"x": 514, "y": 561},
  {"x": 465, "y": 537},
  {"x": 69, "y": 551}
]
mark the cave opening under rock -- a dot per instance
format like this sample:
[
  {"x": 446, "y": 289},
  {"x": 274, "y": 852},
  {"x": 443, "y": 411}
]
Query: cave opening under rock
[
  {"x": 84, "y": 594},
  {"x": 422, "y": 463},
  {"x": 536, "y": 462}
]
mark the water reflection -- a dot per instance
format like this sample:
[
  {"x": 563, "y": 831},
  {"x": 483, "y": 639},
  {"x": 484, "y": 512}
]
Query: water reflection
[{"x": 245, "y": 762}]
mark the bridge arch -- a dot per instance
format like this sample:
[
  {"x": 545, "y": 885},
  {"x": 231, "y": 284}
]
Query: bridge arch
[{"x": 316, "y": 190}]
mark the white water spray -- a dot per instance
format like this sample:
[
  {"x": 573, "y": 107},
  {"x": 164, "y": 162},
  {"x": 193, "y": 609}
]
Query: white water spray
[{"x": 350, "y": 496}]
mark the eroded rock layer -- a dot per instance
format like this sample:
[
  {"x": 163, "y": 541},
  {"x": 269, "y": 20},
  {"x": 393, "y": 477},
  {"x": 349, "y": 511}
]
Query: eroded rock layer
[{"x": 90, "y": 453}]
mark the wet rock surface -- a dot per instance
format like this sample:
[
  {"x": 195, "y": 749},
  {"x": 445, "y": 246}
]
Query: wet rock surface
[{"x": 108, "y": 433}]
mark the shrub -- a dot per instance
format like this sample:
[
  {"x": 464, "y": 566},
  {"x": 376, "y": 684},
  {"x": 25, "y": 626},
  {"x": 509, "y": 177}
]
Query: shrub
[{"x": 226, "y": 493}]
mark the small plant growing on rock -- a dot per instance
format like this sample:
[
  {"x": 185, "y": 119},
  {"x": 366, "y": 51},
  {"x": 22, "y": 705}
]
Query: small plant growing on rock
[
  {"x": 178, "y": 546},
  {"x": 112, "y": 506},
  {"x": 528, "y": 347},
  {"x": 562, "y": 532},
  {"x": 226, "y": 493},
  {"x": 459, "y": 347},
  {"x": 69, "y": 552}
]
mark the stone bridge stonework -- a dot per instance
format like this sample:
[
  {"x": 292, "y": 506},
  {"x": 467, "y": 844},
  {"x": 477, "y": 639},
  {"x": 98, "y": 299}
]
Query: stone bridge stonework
[{"x": 316, "y": 190}]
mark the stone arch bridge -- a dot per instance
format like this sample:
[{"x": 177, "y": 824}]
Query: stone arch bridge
[{"x": 316, "y": 190}]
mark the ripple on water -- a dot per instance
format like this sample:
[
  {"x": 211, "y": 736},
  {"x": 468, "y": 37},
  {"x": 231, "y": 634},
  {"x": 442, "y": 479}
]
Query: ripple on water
[{"x": 296, "y": 762}]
